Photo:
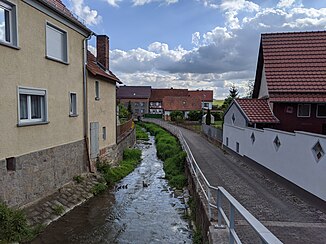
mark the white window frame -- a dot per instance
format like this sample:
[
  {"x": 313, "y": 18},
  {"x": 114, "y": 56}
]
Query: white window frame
[
  {"x": 71, "y": 111},
  {"x": 300, "y": 116},
  {"x": 29, "y": 91},
  {"x": 56, "y": 28},
  {"x": 13, "y": 33},
  {"x": 319, "y": 116},
  {"x": 97, "y": 91}
]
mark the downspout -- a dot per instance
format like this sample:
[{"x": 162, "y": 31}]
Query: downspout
[{"x": 85, "y": 42}]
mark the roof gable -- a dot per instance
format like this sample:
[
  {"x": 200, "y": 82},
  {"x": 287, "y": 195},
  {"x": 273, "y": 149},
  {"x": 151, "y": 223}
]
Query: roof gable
[
  {"x": 295, "y": 63},
  {"x": 158, "y": 94},
  {"x": 133, "y": 92},
  {"x": 186, "y": 103}
]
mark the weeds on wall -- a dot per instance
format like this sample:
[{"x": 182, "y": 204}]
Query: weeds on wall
[
  {"x": 131, "y": 158},
  {"x": 171, "y": 153},
  {"x": 14, "y": 227}
]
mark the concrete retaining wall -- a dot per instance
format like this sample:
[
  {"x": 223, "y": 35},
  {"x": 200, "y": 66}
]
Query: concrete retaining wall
[
  {"x": 294, "y": 157},
  {"x": 38, "y": 174},
  {"x": 212, "y": 133}
]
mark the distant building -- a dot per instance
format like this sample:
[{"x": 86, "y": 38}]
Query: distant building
[
  {"x": 183, "y": 104},
  {"x": 206, "y": 97},
  {"x": 137, "y": 96}
]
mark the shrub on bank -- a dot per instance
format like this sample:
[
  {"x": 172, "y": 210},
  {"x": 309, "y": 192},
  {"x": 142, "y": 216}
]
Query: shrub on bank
[
  {"x": 140, "y": 134},
  {"x": 14, "y": 227},
  {"x": 131, "y": 158},
  {"x": 169, "y": 151}
]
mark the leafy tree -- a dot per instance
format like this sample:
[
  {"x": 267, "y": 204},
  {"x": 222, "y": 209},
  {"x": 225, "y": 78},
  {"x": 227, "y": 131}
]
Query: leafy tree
[
  {"x": 195, "y": 115},
  {"x": 123, "y": 112},
  {"x": 208, "y": 117},
  {"x": 176, "y": 116},
  {"x": 233, "y": 93}
]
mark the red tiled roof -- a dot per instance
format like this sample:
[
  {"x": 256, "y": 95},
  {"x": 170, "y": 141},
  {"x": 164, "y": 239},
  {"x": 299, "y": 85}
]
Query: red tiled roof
[
  {"x": 185, "y": 103},
  {"x": 257, "y": 110},
  {"x": 158, "y": 94},
  {"x": 133, "y": 92},
  {"x": 298, "y": 98},
  {"x": 295, "y": 62},
  {"x": 95, "y": 69},
  {"x": 61, "y": 7},
  {"x": 204, "y": 95}
]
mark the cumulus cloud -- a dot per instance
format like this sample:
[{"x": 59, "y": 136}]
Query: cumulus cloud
[
  {"x": 83, "y": 11},
  {"x": 143, "y": 2},
  {"x": 285, "y": 3},
  {"x": 223, "y": 56},
  {"x": 114, "y": 3}
]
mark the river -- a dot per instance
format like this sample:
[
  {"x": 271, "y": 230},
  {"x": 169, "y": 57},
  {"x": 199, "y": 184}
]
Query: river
[{"x": 135, "y": 214}]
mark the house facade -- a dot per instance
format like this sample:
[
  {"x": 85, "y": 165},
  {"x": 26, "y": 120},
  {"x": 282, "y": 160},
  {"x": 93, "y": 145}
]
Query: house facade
[
  {"x": 206, "y": 97},
  {"x": 291, "y": 74},
  {"x": 101, "y": 101},
  {"x": 137, "y": 96},
  {"x": 183, "y": 104},
  {"x": 42, "y": 64}
]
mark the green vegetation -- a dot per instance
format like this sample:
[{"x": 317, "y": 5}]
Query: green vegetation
[
  {"x": 195, "y": 115},
  {"x": 124, "y": 114},
  {"x": 218, "y": 102},
  {"x": 58, "y": 210},
  {"x": 99, "y": 188},
  {"x": 131, "y": 158},
  {"x": 169, "y": 151},
  {"x": 78, "y": 179},
  {"x": 141, "y": 134},
  {"x": 218, "y": 124},
  {"x": 14, "y": 227},
  {"x": 197, "y": 237},
  {"x": 176, "y": 116}
]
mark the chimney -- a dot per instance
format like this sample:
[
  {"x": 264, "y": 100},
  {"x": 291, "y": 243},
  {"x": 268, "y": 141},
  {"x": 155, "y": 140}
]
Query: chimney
[{"x": 102, "y": 46}]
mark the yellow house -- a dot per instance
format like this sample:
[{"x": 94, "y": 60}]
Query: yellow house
[
  {"x": 101, "y": 97},
  {"x": 43, "y": 81}
]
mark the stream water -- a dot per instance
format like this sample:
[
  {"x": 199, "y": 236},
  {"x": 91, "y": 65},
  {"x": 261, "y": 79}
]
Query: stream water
[{"x": 138, "y": 214}]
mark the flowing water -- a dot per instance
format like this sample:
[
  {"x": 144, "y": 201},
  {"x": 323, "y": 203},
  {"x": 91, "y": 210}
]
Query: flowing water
[{"x": 135, "y": 214}]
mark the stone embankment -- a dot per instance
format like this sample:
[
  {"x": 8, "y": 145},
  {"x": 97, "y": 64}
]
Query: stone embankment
[{"x": 65, "y": 199}]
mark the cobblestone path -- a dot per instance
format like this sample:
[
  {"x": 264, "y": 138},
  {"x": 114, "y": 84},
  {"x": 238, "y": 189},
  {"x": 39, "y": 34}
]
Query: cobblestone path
[{"x": 291, "y": 216}]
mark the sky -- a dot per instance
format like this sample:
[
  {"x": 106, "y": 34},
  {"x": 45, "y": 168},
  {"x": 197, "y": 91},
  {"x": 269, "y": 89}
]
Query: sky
[{"x": 194, "y": 44}]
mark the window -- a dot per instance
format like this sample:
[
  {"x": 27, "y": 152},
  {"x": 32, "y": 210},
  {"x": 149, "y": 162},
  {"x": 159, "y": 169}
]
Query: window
[
  {"x": 304, "y": 110},
  {"x": 8, "y": 25},
  {"x": 97, "y": 90},
  {"x": 237, "y": 147},
  {"x": 73, "y": 104},
  {"x": 104, "y": 133},
  {"x": 56, "y": 43},
  {"x": 206, "y": 105},
  {"x": 142, "y": 111},
  {"x": 227, "y": 141},
  {"x": 142, "y": 104},
  {"x": 321, "y": 110},
  {"x": 32, "y": 106}
]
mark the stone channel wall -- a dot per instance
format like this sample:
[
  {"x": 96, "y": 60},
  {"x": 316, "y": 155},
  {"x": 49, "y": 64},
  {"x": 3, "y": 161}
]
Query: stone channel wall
[
  {"x": 30, "y": 177},
  {"x": 113, "y": 154}
]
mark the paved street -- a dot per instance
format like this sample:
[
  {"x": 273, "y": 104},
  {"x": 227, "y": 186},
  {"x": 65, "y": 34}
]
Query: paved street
[{"x": 291, "y": 216}]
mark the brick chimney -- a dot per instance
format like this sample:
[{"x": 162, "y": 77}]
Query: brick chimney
[{"x": 103, "y": 47}]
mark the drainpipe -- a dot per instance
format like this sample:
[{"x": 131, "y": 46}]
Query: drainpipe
[{"x": 85, "y": 42}]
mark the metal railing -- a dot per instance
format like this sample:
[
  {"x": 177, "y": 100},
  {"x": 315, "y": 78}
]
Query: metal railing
[{"x": 207, "y": 189}]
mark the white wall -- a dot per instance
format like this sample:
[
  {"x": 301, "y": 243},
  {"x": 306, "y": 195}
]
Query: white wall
[
  {"x": 210, "y": 105},
  {"x": 240, "y": 119},
  {"x": 294, "y": 160}
]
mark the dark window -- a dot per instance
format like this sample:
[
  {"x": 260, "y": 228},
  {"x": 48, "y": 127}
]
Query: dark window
[
  {"x": 304, "y": 110},
  {"x": 238, "y": 147},
  {"x": 321, "y": 110},
  {"x": 11, "y": 163}
]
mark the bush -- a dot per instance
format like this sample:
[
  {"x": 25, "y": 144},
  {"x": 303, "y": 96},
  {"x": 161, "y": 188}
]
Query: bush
[
  {"x": 13, "y": 226},
  {"x": 140, "y": 134},
  {"x": 176, "y": 116},
  {"x": 195, "y": 115},
  {"x": 170, "y": 151},
  {"x": 217, "y": 116},
  {"x": 153, "y": 116}
]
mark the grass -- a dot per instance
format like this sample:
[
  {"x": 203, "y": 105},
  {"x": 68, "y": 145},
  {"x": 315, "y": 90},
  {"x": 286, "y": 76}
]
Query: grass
[
  {"x": 131, "y": 158},
  {"x": 141, "y": 134},
  {"x": 99, "y": 188},
  {"x": 218, "y": 102},
  {"x": 78, "y": 179},
  {"x": 58, "y": 210},
  {"x": 218, "y": 124},
  {"x": 14, "y": 227},
  {"x": 171, "y": 153}
]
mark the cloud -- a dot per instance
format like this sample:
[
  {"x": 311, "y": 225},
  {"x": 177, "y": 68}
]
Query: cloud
[
  {"x": 285, "y": 3},
  {"x": 143, "y": 2},
  {"x": 225, "y": 55},
  {"x": 91, "y": 17},
  {"x": 114, "y": 3},
  {"x": 2, "y": 31}
]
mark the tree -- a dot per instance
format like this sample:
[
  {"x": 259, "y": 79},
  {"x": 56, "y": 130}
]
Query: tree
[
  {"x": 195, "y": 115},
  {"x": 176, "y": 116},
  {"x": 123, "y": 112},
  {"x": 233, "y": 93},
  {"x": 208, "y": 117}
]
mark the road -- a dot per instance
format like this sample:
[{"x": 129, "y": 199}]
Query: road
[{"x": 291, "y": 216}]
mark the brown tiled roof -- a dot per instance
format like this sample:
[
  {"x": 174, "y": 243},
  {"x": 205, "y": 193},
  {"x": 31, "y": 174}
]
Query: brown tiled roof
[
  {"x": 133, "y": 92},
  {"x": 95, "y": 69},
  {"x": 298, "y": 97},
  {"x": 158, "y": 94},
  {"x": 204, "y": 95},
  {"x": 294, "y": 63},
  {"x": 257, "y": 110},
  {"x": 185, "y": 103}
]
